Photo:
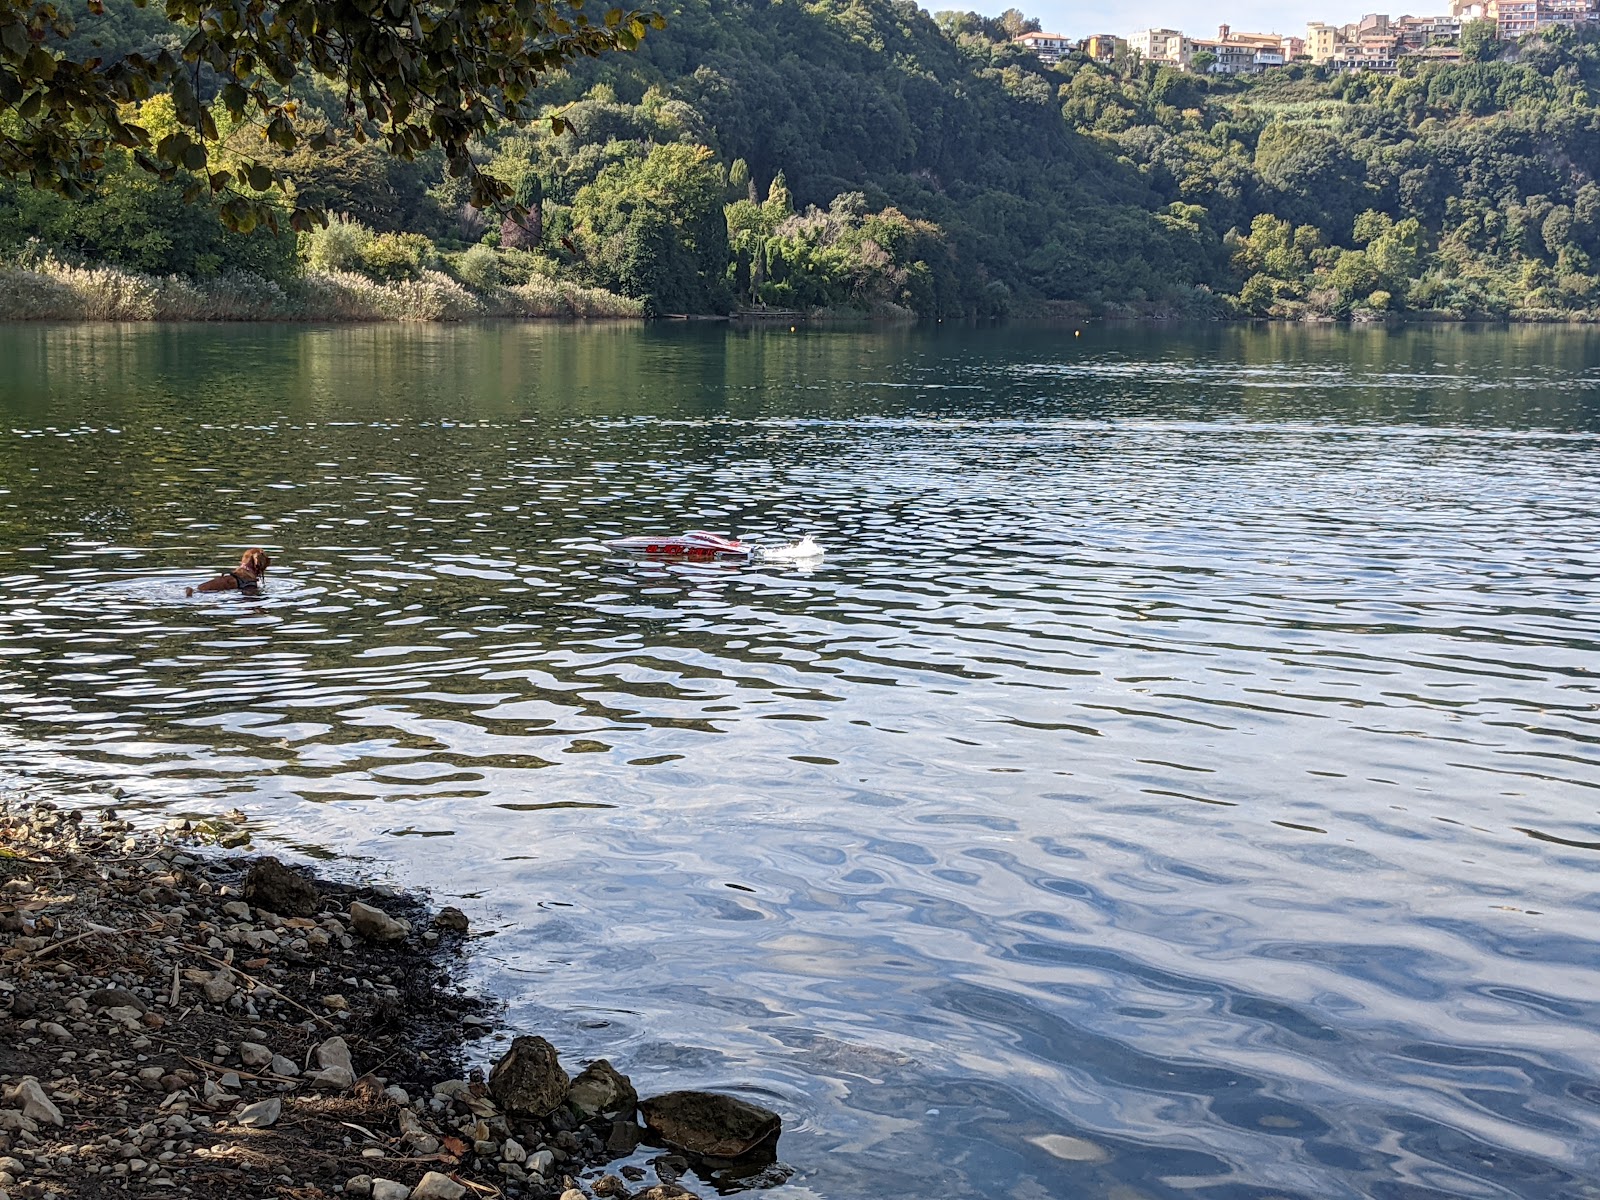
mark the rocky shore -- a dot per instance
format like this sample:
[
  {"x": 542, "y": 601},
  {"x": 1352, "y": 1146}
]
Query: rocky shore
[{"x": 177, "y": 1022}]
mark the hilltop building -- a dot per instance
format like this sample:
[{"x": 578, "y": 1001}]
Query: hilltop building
[
  {"x": 1515, "y": 18},
  {"x": 1167, "y": 46},
  {"x": 1050, "y": 47},
  {"x": 1377, "y": 42}
]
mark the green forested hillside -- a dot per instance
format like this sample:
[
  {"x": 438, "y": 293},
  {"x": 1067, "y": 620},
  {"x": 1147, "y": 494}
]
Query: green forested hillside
[{"x": 866, "y": 154}]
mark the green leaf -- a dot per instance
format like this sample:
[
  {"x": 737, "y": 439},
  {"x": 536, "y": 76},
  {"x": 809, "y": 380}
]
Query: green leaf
[
  {"x": 194, "y": 157},
  {"x": 259, "y": 176}
]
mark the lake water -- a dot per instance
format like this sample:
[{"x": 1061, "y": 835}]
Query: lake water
[{"x": 1180, "y": 778}]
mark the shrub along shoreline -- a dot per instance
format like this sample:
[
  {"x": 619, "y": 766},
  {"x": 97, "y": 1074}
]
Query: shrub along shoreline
[{"x": 50, "y": 290}]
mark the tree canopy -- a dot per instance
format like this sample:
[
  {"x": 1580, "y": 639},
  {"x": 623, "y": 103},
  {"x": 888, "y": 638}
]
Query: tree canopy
[{"x": 415, "y": 76}]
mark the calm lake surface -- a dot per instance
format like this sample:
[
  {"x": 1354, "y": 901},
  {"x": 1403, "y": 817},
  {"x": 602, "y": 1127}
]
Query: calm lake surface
[{"x": 1180, "y": 778}]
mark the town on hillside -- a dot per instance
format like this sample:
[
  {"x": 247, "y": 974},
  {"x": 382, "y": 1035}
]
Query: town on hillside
[{"x": 1376, "y": 42}]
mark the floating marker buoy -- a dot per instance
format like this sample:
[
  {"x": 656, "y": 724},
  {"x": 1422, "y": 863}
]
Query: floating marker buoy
[
  {"x": 1077, "y": 333},
  {"x": 791, "y": 329}
]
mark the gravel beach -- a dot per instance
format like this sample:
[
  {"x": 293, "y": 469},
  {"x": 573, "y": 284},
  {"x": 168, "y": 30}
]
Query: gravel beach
[{"x": 176, "y": 1021}]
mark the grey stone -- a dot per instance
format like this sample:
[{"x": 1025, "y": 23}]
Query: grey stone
[
  {"x": 376, "y": 925},
  {"x": 115, "y": 998},
  {"x": 273, "y": 886},
  {"x": 358, "y": 1185},
  {"x": 335, "y": 1052},
  {"x": 284, "y": 1066},
  {"x": 254, "y": 1054},
  {"x": 512, "y": 1151},
  {"x": 12, "y": 1120},
  {"x": 388, "y": 1189},
  {"x": 452, "y": 919},
  {"x": 709, "y": 1123},
  {"x": 601, "y": 1088},
  {"x": 333, "y": 1079},
  {"x": 435, "y": 1186},
  {"x": 542, "y": 1162},
  {"x": 125, "y": 1015},
  {"x": 29, "y": 1095},
  {"x": 262, "y": 1113},
  {"x": 529, "y": 1079},
  {"x": 219, "y": 989}
]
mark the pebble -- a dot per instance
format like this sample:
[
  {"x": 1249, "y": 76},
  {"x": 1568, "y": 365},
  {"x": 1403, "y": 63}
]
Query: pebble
[
  {"x": 388, "y": 1189},
  {"x": 358, "y": 1185},
  {"x": 254, "y": 1054},
  {"x": 542, "y": 1162}
]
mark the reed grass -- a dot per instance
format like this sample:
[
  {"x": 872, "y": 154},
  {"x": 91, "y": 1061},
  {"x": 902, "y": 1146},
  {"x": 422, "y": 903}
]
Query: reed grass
[{"x": 48, "y": 289}]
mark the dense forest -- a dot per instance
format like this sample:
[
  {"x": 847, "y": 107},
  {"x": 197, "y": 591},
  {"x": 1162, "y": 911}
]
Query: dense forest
[{"x": 863, "y": 155}]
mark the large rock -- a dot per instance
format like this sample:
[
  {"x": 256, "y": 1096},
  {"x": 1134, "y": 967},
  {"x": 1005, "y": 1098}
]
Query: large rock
[
  {"x": 376, "y": 925},
  {"x": 601, "y": 1088},
  {"x": 337, "y": 1073},
  {"x": 29, "y": 1096},
  {"x": 273, "y": 886},
  {"x": 528, "y": 1080},
  {"x": 709, "y": 1124}
]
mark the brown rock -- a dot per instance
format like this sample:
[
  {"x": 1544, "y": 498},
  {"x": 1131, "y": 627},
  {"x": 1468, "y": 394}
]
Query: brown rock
[
  {"x": 273, "y": 886},
  {"x": 601, "y": 1088},
  {"x": 709, "y": 1123},
  {"x": 529, "y": 1080}
]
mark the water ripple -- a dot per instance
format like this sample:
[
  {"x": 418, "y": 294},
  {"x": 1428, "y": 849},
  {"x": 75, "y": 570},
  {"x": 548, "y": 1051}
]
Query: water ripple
[{"x": 1177, "y": 779}]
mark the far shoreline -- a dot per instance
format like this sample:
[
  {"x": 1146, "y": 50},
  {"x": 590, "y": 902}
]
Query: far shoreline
[{"x": 55, "y": 293}]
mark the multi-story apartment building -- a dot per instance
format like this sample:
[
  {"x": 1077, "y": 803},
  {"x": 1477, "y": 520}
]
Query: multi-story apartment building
[
  {"x": 1322, "y": 41},
  {"x": 1516, "y": 18},
  {"x": 1162, "y": 46},
  {"x": 1242, "y": 53},
  {"x": 1369, "y": 51},
  {"x": 1103, "y": 47}
]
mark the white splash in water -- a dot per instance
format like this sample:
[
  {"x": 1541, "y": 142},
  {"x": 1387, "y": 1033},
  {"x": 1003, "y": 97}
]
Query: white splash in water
[{"x": 807, "y": 549}]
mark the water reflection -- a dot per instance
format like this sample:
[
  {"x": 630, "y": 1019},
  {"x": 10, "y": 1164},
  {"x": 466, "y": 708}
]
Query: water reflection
[{"x": 1176, "y": 780}]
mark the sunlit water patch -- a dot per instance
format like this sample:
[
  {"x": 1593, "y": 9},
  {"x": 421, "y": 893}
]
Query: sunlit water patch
[{"x": 1179, "y": 776}]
